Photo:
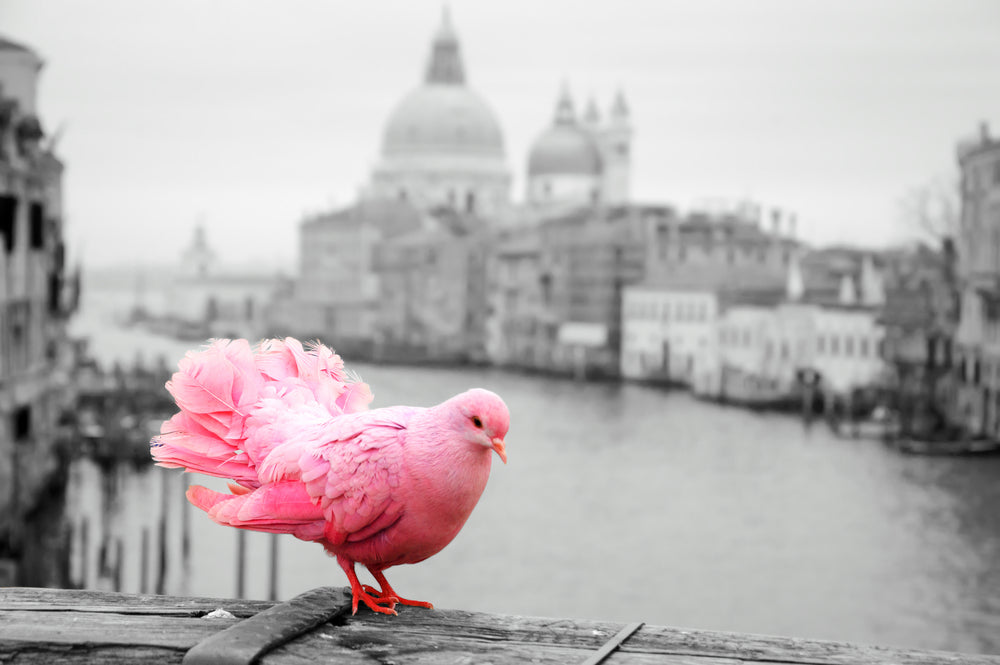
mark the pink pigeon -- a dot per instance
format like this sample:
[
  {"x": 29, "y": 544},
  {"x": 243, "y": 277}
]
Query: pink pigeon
[{"x": 292, "y": 429}]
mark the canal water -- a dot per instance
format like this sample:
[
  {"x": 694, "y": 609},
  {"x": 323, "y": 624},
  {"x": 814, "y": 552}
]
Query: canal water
[{"x": 625, "y": 503}]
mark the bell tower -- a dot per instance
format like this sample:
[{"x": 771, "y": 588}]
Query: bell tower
[{"x": 616, "y": 143}]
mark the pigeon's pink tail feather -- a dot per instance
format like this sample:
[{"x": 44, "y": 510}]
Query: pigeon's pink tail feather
[
  {"x": 278, "y": 508},
  {"x": 220, "y": 387},
  {"x": 216, "y": 388}
]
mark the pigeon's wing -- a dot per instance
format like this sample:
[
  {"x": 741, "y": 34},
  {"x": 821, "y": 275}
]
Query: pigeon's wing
[{"x": 350, "y": 466}]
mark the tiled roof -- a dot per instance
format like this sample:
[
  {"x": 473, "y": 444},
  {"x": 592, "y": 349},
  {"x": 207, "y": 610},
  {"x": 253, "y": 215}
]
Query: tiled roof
[
  {"x": 392, "y": 216},
  {"x": 907, "y": 309},
  {"x": 712, "y": 276}
]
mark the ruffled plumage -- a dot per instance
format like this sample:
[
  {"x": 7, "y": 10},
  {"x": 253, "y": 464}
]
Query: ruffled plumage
[
  {"x": 291, "y": 426},
  {"x": 227, "y": 392}
]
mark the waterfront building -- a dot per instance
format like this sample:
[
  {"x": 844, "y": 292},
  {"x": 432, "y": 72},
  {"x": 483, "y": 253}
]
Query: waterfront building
[
  {"x": 206, "y": 298},
  {"x": 38, "y": 294},
  {"x": 826, "y": 331},
  {"x": 336, "y": 296},
  {"x": 726, "y": 240},
  {"x": 977, "y": 407},
  {"x": 521, "y": 328},
  {"x": 556, "y": 289},
  {"x": 671, "y": 322},
  {"x": 920, "y": 317},
  {"x": 749, "y": 333},
  {"x": 588, "y": 258},
  {"x": 432, "y": 284},
  {"x": 442, "y": 159},
  {"x": 696, "y": 265}
]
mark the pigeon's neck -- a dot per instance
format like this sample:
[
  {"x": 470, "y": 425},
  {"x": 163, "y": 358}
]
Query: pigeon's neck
[{"x": 446, "y": 465}]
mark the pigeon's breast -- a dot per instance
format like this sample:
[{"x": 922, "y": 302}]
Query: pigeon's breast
[{"x": 434, "y": 510}]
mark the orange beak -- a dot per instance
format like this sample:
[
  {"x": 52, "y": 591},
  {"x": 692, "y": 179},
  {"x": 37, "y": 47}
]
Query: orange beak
[{"x": 500, "y": 448}]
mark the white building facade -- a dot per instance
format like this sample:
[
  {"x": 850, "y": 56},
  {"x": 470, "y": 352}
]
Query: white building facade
[{"x": 669, "y": 334}]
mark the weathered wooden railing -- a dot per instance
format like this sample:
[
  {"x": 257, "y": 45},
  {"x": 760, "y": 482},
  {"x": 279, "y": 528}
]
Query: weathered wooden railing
[{"x": 55, "y": 626}]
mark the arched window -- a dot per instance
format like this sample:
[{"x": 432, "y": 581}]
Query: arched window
[{"x": 470, "y": 201}]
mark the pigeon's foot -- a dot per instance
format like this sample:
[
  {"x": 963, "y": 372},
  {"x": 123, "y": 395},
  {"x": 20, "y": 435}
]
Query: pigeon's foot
[
  {"x": 387, "y": 592},
  {"x": 372, "y": 602},
  {"x": 361, "y": 594},
  {"x": 391, "y": 596}
]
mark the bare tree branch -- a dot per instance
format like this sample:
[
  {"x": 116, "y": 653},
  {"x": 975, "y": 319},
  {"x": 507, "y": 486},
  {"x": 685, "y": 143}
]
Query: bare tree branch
[{"x": 932, "y": 211}]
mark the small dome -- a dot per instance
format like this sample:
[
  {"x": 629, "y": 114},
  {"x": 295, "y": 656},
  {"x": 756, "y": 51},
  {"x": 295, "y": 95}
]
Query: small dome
[
  {"x": 444, "y": 120},
  {"x": 565, "y": 150}
]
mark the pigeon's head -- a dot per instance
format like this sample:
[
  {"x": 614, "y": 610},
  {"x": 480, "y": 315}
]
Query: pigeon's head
[{"x": 482, "y": 418}]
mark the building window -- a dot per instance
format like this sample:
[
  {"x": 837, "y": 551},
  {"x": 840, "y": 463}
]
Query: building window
[
  {"x": 54, "y": 293},
  {"x": 8, "y": 222},
  {"x": 470, "y": 201},
  {"x": 36, "y": 226},
  {"x": 848, "y": 346},
  {"x": 863, "y": 347},
  {"x": 21, "y": 423},
  {"x": 784, "y": 350},
  {"x": 546, "y": 284},
  {"x": 834, "y": 345},
  {"x": 820, "y": 344}
]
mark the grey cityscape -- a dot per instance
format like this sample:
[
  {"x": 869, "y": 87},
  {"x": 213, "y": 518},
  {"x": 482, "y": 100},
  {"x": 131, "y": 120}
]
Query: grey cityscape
[{"x": 734, "y": 269}]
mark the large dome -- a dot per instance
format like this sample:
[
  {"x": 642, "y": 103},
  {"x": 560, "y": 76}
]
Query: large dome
[
  {"x": 439, "y": 120},
  {"x": 564, "y": 149}
]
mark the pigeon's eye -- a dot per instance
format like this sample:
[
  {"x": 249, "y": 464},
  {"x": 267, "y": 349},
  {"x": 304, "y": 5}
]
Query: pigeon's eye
[{"x": 477, "y": 422}]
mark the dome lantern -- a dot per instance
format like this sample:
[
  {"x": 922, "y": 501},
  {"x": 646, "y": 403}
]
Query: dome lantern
[{"x": 445, "y": 64}]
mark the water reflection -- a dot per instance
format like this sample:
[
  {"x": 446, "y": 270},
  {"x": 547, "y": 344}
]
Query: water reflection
[{"x": 626, "y": 503}]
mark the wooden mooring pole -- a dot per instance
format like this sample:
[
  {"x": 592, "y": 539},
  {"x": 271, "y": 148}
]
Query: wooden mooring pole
[{"x": 241, "y": 562}]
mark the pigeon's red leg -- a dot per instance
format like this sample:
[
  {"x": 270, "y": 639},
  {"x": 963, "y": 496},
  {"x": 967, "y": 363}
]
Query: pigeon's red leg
[
  {"x": 387, "y": 593},
  {"x": 359, "y": 593}
]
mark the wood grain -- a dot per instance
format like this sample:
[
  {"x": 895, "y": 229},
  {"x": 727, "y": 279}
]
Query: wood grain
[{"x": 57, "y": 626}]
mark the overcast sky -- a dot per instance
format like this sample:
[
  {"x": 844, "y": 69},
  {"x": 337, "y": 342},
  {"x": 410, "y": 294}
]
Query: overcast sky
[{"x": 249, "y": 113}]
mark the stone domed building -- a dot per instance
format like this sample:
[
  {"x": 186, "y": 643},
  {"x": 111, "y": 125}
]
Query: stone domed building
[
  {"x": 581, "y": 161},
  {"x": 442, "y": 145}
]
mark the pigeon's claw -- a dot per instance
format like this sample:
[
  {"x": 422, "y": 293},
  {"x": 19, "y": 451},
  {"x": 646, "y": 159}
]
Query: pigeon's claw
[
  {"x": 377, "y": 593},
  {"x": 373, "y": 603},
  {"x": 387, "y": 593}
]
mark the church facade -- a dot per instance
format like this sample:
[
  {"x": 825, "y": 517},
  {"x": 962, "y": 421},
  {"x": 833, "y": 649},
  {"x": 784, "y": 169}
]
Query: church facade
[
  {"x": 443, "y": 146},
  {"x": 422, "y": 288},
  {"x": 437, "y": 260}
]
